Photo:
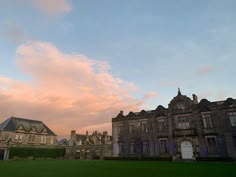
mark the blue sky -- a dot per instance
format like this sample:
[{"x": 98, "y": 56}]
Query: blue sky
[{"x": 156, "y": 45}]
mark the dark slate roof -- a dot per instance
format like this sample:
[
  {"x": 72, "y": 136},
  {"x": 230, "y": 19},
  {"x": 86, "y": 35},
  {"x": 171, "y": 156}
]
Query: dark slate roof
[{"x": 12, "y": 123}]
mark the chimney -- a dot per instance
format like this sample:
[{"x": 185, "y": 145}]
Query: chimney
[
  {"x": 121, "y": 112},
  {"x": 195, "y": 99},
  {"x": 72, "y": 138},
  {"x": 73, "y": 133}
]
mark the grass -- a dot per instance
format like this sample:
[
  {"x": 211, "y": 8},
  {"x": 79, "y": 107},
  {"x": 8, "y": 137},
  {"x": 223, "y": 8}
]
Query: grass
[{"x": 96, "y": 168}]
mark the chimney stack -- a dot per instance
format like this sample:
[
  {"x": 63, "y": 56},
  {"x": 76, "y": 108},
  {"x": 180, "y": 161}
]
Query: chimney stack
[{"x": 195, "y": 99}]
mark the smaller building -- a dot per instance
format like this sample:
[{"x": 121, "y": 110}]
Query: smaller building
[
  {"x": 25, "y": 132},
  {"x": 85, "y": 146}
]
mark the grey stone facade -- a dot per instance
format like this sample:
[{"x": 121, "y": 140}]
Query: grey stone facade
[{"x": 187, "y": 129}]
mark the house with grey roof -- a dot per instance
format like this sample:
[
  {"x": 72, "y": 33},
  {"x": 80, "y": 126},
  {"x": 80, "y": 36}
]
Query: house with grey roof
[{"x": 21, "y": 132}]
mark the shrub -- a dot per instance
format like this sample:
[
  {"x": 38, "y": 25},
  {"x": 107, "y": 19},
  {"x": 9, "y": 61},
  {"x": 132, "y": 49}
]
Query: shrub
[{"x": 26, "y": 152}]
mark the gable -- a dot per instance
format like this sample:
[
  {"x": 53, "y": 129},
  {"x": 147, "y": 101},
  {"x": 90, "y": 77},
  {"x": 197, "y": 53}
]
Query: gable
[{"x": 20, "y": 128}]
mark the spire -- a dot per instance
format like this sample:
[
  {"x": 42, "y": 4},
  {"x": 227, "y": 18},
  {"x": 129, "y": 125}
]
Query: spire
[{"x": 179, "y": 92}]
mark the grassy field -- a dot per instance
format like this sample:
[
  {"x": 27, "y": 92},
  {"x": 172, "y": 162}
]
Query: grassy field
[{"x": 93, "y": 168}]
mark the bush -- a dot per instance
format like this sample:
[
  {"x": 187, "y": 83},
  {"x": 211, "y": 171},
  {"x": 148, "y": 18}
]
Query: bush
[{"x": 26, "y": 152}]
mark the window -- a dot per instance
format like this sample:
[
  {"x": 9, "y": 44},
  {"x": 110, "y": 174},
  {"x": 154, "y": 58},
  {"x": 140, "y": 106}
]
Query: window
[
  {"x": 234, "y": 141},
  {"x": 131, "y": 129},
  {"x": 120, "y": 130},
  {"x": 31, "y": 139},
  {"x": 211, "y": 144},
  {"x": 132, "y": 148},
  {"x": 207, "y": 121},
  {"x": 6, "y": 136},
  {"x": 43, "y": 140},
  {"x": 52, "y": 140},
  {"x": 145, "y": 148},
  {"x": 121, "y": 148},
  {"x": 161, "y": 124},
  {"x": 163, "y": 145},
  {"x": 18, "y": 138},
  {"x": 232, "y": 118},
  {"x": 144, "y": 128},
  {"x": 183, "y": 122}
]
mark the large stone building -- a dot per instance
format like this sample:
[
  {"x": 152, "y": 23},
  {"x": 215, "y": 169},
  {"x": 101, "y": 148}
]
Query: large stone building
[
  {"x": 24, "y": 132},
  {"x": 187, "y": 129},
  {"x": 96, "y": 145}
]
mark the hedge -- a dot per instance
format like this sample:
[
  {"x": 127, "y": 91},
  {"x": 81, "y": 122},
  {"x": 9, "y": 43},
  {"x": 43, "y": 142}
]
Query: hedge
[
  {"x": 143, "y": 158},
  {"x": 25, "y": 152},
  {"x": 215, "y": 159}
]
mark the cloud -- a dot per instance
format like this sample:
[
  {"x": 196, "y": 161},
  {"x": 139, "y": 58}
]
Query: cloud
[
  {"x": 66, "y": 91},
  {"x": 13, "y": 32},
  {"x": 204, "y": 70},
  {"x": 53, "y": 7}
]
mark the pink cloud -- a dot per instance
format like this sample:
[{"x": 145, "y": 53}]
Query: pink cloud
[
  {"x": 204, "y": 70},
  {"x": 66, "y": 91},
  {"x": 53, "y": 7}
]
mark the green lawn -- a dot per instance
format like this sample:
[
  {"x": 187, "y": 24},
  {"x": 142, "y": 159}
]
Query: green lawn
[{"x": 96, "y": 168}]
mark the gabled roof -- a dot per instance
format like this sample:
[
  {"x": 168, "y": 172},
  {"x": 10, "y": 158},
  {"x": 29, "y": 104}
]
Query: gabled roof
[{"x": 12, "y": 124}]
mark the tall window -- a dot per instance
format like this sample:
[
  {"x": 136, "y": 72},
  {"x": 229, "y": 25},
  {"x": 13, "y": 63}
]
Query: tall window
[
  {"x": 6, "y": 136},
  {"x": 163, "y": 145},
  {"x": 43, "y": 140},
  {"x": 120, "y": 131},
  {"x": 161, "y": 124},
  {"x": 234, "y": 141},
  {"x": 131, "y": 129},
  {"x": 121, "y": 148},
  {"x": 31, "y": 139},
  {"x": 211, "y": 144},
  {"x": 183, "y": 122},
  {"x": 145, "y": 148},
  {"x": 132, "y": 147},
  {"x": 18, "y": 138},
  {"x": 207, "y": 121},
  {"x": 232, "y": 118},
  {"x": 144, "y": 128},
  {"x": 52, "y": 140}
]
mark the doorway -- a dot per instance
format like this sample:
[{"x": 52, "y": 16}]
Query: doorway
[{"x": 187, "y": 150}]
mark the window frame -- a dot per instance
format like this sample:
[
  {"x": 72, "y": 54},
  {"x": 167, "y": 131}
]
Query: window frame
[{"x": 232, "y": 118}]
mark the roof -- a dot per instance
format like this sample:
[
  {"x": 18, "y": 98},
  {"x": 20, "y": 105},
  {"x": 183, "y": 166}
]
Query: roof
[{"x": 12, "y": 124}]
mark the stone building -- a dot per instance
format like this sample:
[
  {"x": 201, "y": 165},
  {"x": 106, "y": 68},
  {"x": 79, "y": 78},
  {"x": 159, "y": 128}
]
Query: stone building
[
  {"x": 96, "y": 145},
  {"x": 24, "y": 132},
  {"x": 187, "y": 129}
]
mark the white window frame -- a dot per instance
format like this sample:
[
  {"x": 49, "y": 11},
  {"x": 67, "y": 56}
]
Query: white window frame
[
  {"x": 163, "y": 149},
  {"x": 183, "y": 122},
  {"x": 132, "y": 147},
  {"x": 144, "y": 127},
  {"x": 208, "y": 147},
  {"x": 43, "y": 140},
  {"x": 232, "y": 118},
  {"x": 207, "y": 120}
]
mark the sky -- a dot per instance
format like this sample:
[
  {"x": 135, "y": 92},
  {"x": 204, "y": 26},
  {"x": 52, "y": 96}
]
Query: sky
[{"x": 74, "y": 64}]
